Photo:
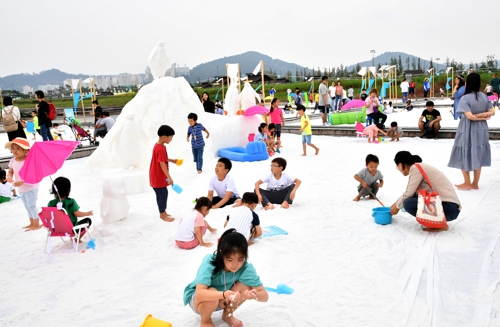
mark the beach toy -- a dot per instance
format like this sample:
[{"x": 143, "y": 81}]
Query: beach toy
[
  {"x": 153, "y": 322},
  {"x": 281, "y": 289},
  {"x": 251, "y": 137},
  {"x": 91, "y": 244},
  {"x": 177, "y": 188},
  {"x": 272, "y": 231},
  {"x": 179, "y": 162},
  {"x": 382, "y": 215},
  {"x": 375, "y": 197},
  {"x": 254, "y": 151},
  {"x": 380, "y": 139}
]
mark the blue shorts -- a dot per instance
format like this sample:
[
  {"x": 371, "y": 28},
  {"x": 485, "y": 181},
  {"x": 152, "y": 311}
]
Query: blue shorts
[{"x": 306, "y": 139}]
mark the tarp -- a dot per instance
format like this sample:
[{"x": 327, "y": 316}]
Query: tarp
[{"x": 448, "y": 83}]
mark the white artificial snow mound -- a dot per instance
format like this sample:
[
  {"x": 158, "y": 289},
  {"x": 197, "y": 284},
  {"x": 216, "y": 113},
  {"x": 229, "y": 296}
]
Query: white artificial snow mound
[{"x": 345, "y": 269}]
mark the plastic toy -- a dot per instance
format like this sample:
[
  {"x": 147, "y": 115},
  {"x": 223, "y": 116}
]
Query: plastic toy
[
  {"x": 272, "y": 231},
  {"x": 281, "y": 289},
  {"x": 254, "y": 151},
  {"x": 348, "y": 117},
  {"x": 177, "y": 188},
  {"x": 153, "y": 322},
  {"x": 91, "y": 244},
  {"x": 179, "y": 162},
  {"x": 382, "y": 215}
]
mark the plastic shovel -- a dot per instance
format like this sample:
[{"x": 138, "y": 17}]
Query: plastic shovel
[
  {"x": 377, "y": 199},
  {"x": 281, "y": 289}
]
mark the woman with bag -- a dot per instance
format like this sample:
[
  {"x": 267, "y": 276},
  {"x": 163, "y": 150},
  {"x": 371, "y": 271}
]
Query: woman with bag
[
  {"x": 429, "y": 195},
  {"x": 471, "y": 149},
  {"x": 11, "y": 117}
]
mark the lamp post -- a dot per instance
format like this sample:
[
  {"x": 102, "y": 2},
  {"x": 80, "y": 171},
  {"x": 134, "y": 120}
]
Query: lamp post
[
  {"x": 437, "y": 64},
  {"x": 217, "y": 71},
  {"x": 373, "y": 57}
]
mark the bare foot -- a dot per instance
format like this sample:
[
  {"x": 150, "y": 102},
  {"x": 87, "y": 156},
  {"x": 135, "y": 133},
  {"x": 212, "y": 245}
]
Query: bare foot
[
  {"x": 232, "y": 321},
  {"x": 33, "y": 227},
  {"x": 270, "y": 206},
  {"x": 475, "y": 187},
  {"x": 166, "y": 217},
  {"x": 285, "y": 205},
  {"x": 207, "y": 324},
  {"x": 357, "y": 198},
  {"x": 304, "y": 155},
  {"x": 29, "y": 226},
  {"x": 392, "y": 140},
  {"x": 317, "y": 151},
  {"x": 466, "y": 187},
  {"x": 434, "y": 230}
]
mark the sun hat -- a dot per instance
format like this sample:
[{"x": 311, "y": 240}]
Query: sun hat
[{"x": 22, "y": 142}]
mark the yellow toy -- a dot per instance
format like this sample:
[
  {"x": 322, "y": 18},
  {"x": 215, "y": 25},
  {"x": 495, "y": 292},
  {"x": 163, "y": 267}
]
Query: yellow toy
[{"x": 153, "y": 322}]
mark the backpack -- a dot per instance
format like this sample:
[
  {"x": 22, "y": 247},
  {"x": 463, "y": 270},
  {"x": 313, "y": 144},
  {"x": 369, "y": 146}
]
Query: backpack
[
  {"x": 9, "y": 123},
  {"x": 52, "y": 111}
]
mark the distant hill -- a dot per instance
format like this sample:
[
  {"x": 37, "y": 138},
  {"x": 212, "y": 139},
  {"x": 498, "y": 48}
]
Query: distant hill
[
  {"x": 52, "y": 76},
  {"x": 247, "y": 61},
  {"x": 385, "y": 58}
]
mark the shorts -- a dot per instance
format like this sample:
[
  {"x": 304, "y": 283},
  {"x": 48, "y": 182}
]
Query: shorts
[
  {"x": 306, "y": 139},
  {"x": 191, "y": 304},
  {"x": 405, "y": 94},
  {"x": 411, "y": 90},
  {"x": 277, "y": 130},
  {"x": 323, "y": 109}
]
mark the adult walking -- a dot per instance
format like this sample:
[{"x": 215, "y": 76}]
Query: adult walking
[
  {"x": 495, "y": 83},
  {"x": 405, "y": 163},
  {"x": 404, "y": 89},
  {"x": 323, "y": 103},
  {"x": 458, "y": 92},
  {"x": 43, "y": 116},
  {"x": 208, "y": 105},
  {"x": 471, "y": 149},
  {"x": 426, "y": 88},
  {"x": 11, "y": 117}
]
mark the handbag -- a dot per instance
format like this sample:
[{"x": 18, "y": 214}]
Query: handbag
[{"x": 430, "y": 212}]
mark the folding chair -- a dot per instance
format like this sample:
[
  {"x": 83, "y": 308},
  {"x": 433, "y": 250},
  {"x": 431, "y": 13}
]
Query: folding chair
[{"x": 58, "y": 224}]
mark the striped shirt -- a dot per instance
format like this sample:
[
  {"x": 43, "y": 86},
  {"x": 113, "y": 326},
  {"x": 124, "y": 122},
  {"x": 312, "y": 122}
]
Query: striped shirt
[
  {"x": 243, "y": 220},
  {"x": 196, "y": 136}
]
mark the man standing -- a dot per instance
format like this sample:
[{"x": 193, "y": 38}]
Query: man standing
[
  {"x": 432, "y": 118},
  {"x": 404, "y": 89},
  {"x": 323, "y": 104}
]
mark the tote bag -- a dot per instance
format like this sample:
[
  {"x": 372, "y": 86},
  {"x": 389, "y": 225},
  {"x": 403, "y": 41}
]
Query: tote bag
[{"x": 430, "y": 212}]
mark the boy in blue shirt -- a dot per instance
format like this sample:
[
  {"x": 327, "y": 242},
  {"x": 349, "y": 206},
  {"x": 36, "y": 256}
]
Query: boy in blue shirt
[{"x": 197, "y": 142}]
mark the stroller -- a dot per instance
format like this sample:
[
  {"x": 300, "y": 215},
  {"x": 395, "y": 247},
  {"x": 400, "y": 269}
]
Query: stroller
[{"x": 75, "y": 125}]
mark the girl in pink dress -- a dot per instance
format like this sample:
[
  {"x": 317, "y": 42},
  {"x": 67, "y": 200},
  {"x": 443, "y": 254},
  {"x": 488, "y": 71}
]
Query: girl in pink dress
[
  {"x": 372, "y": 131},
  {"x": 277, "y": 118}
]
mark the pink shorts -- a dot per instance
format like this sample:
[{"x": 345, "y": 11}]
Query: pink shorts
[{"x": 191, "y": 244}]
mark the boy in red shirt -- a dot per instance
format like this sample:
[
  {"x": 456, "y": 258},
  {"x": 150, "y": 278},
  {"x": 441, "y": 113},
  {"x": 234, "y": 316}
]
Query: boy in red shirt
[{"x": 159, "y": 176}]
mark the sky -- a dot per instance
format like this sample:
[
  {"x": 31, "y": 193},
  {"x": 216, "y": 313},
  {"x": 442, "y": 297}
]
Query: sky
[{"x": 101, "y": 37}]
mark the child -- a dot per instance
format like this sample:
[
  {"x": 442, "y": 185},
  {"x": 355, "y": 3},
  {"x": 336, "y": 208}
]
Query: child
[
  {"x": 224, "y": 281},
  {"x": 27, "y": 192},
  {"x": 219, "y": 110},
  {"x": 409, "y": 106},
  {"x": 35, "y": 123},
  {"x": 368, "y": 177},
  {"x": 298, "y": 98},
  {"x": 350, "y": 93},
  {"x": 61, "y": 189},
  {"x": 192, "y": 228},
  {"x": 363, "y": 95},
  {"x": 441, "y": 90},
  {"x": 388, "y": 109},
  {"x": 305, "y": 130},
  {"x": 224, "y": 186},
  {"x": 278, "y": 119},
  {"x": 244, "y": 220},
  {"x": 6, "y": 189},
  {"x": 280, "y": 189},
  {"x": 57, "y": 131},
  {"x": 395, "y": 132},
  {"x": 270, "y": 137},
  {"x": 373, "y": 130},
  {"x": 159, "y": 174},
  {"x": 262, "y": 136},
  {"x": 197, "y": 142}
]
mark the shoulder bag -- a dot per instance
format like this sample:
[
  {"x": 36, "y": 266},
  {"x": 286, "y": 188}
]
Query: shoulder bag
[{"x": 430, "y": 212}]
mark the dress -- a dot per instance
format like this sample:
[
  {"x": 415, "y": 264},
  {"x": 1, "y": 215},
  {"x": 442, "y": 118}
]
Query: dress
[{"x": 471, "y": 149}]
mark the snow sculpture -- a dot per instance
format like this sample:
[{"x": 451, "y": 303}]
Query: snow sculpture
[
  {"x": 231, "y": 102},
  {"x": 158, "y": 60},
  {"x": 114, "y": 204},
  {"x": 247, "y": 97}
]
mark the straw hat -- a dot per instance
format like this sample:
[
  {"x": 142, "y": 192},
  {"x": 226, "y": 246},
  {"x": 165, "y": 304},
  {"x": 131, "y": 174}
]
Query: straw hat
[{"x": 22, "y": 142}]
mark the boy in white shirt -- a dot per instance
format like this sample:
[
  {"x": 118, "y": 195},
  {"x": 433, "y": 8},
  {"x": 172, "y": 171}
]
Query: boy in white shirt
[
  {"x": 6, "y": 189},
  {"x": 281, "y": 187},
  {"x": 244, "y": 220},
  {"x": 223, "y": 185}
]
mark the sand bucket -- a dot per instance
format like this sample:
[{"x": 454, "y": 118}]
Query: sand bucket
[
  {"x": 251, "y": 137},
  {"x": 382, "y": 215},
  {"x": 179, "y": 162},
  {"x": 153, "y": 322}
]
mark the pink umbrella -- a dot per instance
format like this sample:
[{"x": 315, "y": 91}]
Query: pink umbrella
[
  {"x": 492, "y": 97},
  {"x": 256, "y": 110},
  {"x": 354, "y": 104},
  {"x": 45, "y": 158}
]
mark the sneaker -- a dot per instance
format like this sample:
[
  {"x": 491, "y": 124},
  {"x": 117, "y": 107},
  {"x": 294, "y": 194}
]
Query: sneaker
[
  {"x": 422, "y": 136},
  {"x": 325, "y": 124},
  {"x": 435, "y": 137}
]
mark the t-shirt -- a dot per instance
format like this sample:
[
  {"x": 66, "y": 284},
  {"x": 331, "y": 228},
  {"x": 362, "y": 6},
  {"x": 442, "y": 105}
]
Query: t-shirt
[
  {"x": 316, "y": 97},
  {"x": 369, "y": 179},
  {"x": 488, "y": 89},
  {"x": 303, "y": 120},
  {"x": 363, "y": 96},
  {"x": 223, "y": 280},
  {"x": 350, "y": 92},
  {"x": 429, "y": 116},
  {"x": 404, "y": 86},
  {"x": 6, "y": 189},
  {"x": 412, "y": 84},
  {"x": 495, "y": 84},
  {"x": 260, "y": 137},
  {"x": 157, "y": 178},
  {"x": 197, "y": 137},
  {"x": 108, "y": 122},
  {"x": 223, "y": 186},
  {"x": 69, "y": 205},
  {"x": 219, "y": 111},
  {"x": 322, "y": 91},
  {"x": 35, "y": 123},
  {"x": 271, "y": 92},
  {"x": 276, "y": 116},
  {"x": 398, "y": 130},
  {"x": 298, "y": 99},
  {"x": 331, "y": 91},
  {"x": 243, "y": 220},
  {"x": 16, "y": 167},
  {"x": 186, "y": 230},
  {"x": 388, "y": 109},
  {"x": 338, "y": 90},
  {"x": 274, "y": 184},
  {"x": 373, "y": 107}
]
